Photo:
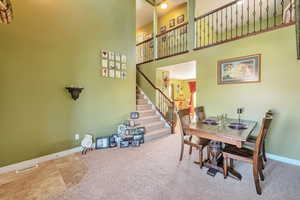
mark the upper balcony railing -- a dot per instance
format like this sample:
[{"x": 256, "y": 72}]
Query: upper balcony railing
[
  {"x": 172, "y": 42},
  {"x": 242, "y": 18},
  {"x": 145, "y": 51},
  {"x": 236, "y": 20}
]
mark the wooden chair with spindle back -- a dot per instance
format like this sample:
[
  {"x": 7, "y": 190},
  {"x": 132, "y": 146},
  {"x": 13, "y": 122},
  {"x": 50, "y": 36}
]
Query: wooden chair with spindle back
[
  {"x": 254, "y": 157},
  {"x": 200, "y": 116},
  {"x": 252, "y": 139},
  {"x": 200, "y": 113},
  {"x": 186, "y": 139}
]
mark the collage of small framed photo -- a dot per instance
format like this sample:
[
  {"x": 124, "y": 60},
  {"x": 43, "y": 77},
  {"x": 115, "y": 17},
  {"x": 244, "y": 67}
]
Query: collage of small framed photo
[{"x": 113, "y": 65}]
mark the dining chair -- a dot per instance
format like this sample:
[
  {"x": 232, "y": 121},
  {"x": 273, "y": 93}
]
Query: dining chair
[
  {"x": 254, "y": 157},
  {"x": 252, "y": 139},
  {"x": 200, "y": 113},
  {"x": 186, "y": 139}
]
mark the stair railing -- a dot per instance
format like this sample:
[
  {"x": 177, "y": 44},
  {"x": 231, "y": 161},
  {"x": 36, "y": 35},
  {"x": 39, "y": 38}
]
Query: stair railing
[{"x": 163, "y": 104}]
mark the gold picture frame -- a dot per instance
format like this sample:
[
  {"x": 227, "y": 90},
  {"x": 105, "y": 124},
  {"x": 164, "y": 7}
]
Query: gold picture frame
[{"x": 245, "y": 69}]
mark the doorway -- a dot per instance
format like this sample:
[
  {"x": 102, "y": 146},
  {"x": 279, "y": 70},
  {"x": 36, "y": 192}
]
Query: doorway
[{"x": 178, "y": 82}]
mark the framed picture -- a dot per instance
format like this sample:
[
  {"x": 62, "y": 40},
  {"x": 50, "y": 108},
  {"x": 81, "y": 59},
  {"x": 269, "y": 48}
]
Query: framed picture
[
  {"x": 172, "y": 23},
  {"x": 104, "y": 72},
  {"x": 104, "y": 54},
  {"x": 180, "y": 19},
  {"x": 111, "y": 56},
  {"x": 118, "y": 65},
  {"x": 118, "y": 57},
  {"x": 163, "y": 29},
  {"x": 240, "y": 70},
  {"x": 124, "y": 59},
  {"x": 134, "y": 115},
  {"x": 113, "y": 141},
  {"x": 104, "y": 63},
  {"x": 135, "y": 143},
  {"x": 124, "y": 66},
  {"x": 123, "y": 75},
  {"x": 118, "y": 74},
  {"x": 111, "y": 64},
  {"x": 112, "y": 73},
  {"x": 102, "y": 143}
]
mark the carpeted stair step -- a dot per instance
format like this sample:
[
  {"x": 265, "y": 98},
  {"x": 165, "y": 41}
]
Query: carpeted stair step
[
  {"x": 144, "y": 113},
  {"x": 140, "y": 96},
  {"x": 144, "y": 107},
  {"x": 153, "y": 126},
  {"x": 152, "y": 135},
  {"x": 141, "y": 101},
  {"x": 148, "y": 119}
]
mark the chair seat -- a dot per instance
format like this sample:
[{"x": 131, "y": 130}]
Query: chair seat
[
  {"x": 234, "y": 151},
  {"x": 196, "y": 140}
]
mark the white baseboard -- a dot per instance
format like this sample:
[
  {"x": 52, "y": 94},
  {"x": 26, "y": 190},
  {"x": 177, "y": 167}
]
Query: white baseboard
[
  {"x": 36, "y": 161},
  {"x": 283, "y": 159}
]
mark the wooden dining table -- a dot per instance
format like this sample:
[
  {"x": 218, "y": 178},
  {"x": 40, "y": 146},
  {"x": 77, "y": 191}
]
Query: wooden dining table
[{"x": 221, "y": 135}]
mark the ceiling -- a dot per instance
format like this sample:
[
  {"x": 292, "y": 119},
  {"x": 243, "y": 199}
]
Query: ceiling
[
  {"x": 182, "y": 71},
  {"x": 144, "y": 11}
]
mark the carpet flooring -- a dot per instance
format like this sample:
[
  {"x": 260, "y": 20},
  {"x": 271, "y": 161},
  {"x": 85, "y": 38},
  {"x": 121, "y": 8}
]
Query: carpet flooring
[{"x": 151, "y": 172}]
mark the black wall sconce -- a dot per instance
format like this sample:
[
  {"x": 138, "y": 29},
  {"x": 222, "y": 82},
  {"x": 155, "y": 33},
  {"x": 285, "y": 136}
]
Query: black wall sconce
[{"x": 74, "y": 91}]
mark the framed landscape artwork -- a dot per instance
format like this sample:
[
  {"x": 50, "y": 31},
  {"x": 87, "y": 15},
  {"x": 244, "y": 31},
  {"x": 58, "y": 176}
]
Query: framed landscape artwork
[{"x": 240, "y": 70}]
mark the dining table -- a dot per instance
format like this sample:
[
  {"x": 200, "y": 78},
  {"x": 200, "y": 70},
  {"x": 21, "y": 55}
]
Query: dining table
[{"x": 221, "y": 134}]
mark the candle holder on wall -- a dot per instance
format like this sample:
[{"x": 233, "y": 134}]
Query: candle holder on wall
[{"x": 75, "y": 92}]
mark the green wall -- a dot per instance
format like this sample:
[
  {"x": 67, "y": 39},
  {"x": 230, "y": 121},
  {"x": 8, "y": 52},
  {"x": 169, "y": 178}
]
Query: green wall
[
  {"x": 279, "y": 89},
  {"x": 52, "y": 44}
]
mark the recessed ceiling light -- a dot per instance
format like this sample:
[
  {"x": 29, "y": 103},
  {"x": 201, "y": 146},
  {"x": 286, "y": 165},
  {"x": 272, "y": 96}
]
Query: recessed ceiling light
[{"x": 163, "y": 6}]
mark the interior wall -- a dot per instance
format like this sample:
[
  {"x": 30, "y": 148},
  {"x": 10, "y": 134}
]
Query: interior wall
[
  {"x": 173, "y": 14},
  {"x": 164, "y": 21},
  {"x": 52, "y": 44},
  {"x": 278, "y": 90}
]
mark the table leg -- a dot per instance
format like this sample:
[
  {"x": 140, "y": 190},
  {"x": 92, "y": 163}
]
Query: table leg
[{"x": 215, "y": 163}]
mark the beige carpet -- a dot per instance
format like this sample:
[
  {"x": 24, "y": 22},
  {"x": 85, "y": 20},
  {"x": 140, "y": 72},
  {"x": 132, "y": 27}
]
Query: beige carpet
[{"x": 152, "y": 172}]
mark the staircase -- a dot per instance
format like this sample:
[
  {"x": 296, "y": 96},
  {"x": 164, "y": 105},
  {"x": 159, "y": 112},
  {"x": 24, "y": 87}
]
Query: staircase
[{"x": 155, "y": 126}]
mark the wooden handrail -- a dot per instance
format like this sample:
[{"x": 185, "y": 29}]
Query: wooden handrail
[
  {"x": 153, "y": 86},
  {"x": 181, "y": 25},
  {"x": 145, "y": 41},
  {"x": 217, "y": 9}
]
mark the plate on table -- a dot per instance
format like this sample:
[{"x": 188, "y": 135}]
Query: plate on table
[
  {"x": 238, "y": 126},
  {"x": 210, "y": 122}
]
